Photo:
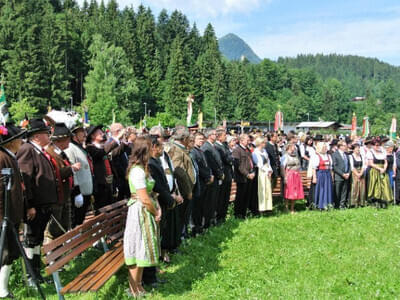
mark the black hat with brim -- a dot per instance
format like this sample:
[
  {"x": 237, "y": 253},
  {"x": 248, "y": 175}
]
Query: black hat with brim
[
  {"x": 60, "y": 132},
  {"x": 318, "y": 138},
  {"x": 37, "y": 125},
  {"x": 91, "y": 130},
  {"x": 10, "y": 132}
]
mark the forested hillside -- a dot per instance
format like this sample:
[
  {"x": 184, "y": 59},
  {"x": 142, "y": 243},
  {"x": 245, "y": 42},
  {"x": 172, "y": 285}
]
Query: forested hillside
[{"x": 113, "y": 60}]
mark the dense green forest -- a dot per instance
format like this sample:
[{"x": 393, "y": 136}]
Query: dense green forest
[{"x": 54, "y": 53}]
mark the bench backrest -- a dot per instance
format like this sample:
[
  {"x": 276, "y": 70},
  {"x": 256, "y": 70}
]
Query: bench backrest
[
  {"x": 116, "y": 217},
  {"x": 64, "y": 248},
  {"x": 110, "y": 222},
  {"x": 304, "y": 179}
]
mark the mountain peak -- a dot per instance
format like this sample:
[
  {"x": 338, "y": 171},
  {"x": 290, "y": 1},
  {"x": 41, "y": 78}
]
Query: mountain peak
[{"x": 234, "y": 48}]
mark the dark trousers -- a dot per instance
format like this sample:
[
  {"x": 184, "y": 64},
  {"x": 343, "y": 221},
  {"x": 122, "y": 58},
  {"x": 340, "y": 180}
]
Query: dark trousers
[
  {"x": 241, "y": 200},
  {"x": 102, "y": 196},
  {"x": 253, "y": 194},
  {"x": 149, "y": 275},
  {"x": 197, "y": 208},
  {"x": 223, "y": 197},
  {"x": 80, "y": 213},
  {"x": 122, "y": 189},
  {"x": 34, "y": 229},
  {"x": 341, "y": 192},
  {"x": 184, "y": 215},
  {"x": 210, "y": 202}
]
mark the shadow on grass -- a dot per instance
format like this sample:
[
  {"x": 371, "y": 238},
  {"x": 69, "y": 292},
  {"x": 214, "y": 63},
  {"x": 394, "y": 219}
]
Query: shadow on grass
[{"x": 197, "y": 258}]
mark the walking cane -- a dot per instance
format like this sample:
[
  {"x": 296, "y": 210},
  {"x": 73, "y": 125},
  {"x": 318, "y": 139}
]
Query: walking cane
[{"x": 7, "y": 173}]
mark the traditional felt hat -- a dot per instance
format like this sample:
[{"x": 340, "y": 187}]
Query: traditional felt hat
[
  {"x": 61, "y": 131},
  {"x": 91, "y": 130},
  {"x": 334, "y": 142},
  {"x": 318, "y": 138},
  {"x": 37, "y": 125},
  {"x": 368, "y": 140},
  {"x": 10, "y": 132},
  {"x": 78, "y": 125},
  {"x": 384, "y": 139}
]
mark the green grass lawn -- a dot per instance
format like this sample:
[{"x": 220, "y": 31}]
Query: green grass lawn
[{"x": 311, "y": 255}]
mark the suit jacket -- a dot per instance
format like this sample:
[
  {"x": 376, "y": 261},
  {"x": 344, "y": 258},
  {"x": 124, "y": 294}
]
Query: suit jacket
[
  {"x": 242, "y": 162},
  {"x": 161, "y": 184},
  {"x": 339, "y": 167},
  {"x": 98, "y": 155},
  {"x": 226, "y": 158},
  {"x": 83, "y": 179},
  {"x": 274, "y": 160},
  {"x": 184, "y": 170},
  {"x": 214, "y": 161},
  {"x": 65, "y": 172},
  {"x": 119, "y": 160},
  {"x": 16, "y": 200},
  {"x": 204, "y": 171},
  {"x": 39, "y": 176}
]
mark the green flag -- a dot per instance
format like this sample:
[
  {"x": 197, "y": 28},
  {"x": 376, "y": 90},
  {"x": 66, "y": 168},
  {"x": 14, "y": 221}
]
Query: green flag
[
  {"x": 3, "y": 106},
  {"x": 2, "y": 95}
]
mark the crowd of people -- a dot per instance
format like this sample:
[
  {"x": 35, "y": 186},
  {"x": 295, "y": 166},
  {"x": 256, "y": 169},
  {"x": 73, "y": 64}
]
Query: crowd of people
[{"x": 177, "y": 182}]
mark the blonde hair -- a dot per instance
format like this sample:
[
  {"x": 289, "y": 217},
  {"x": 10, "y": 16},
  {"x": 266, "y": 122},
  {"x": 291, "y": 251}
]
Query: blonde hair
[
  {"x": 259, "y": 140},
  {"x": 320, "y": 146}
]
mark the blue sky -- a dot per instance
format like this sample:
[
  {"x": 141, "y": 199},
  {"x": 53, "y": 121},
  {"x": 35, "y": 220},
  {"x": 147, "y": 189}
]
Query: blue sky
[{"x": 276, "y": 28}]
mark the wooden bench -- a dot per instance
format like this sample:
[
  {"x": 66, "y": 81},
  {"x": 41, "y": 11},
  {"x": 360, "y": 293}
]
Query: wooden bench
[
  {"x": 106, "y": 227},
  {"x": 276, "y": 192}
]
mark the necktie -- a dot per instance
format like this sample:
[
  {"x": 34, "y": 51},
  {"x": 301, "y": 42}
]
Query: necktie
[{"x": 346, "y": 162}]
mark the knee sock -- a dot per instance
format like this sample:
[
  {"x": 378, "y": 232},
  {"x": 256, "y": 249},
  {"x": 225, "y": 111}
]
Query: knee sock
[{"x": 4, "y": 277}]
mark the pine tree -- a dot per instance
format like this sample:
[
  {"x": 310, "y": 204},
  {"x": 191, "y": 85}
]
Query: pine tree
[
  {"x": 110, "y": 85},
  {"x": 177, "y": 85}
]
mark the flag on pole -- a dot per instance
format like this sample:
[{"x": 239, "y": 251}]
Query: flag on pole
[
  {"x": 393, "y": 128},
  {"x": 354, "y": 125},
  {"x": 365, "y": 131},
  {"x": 3, "y": 105},
  {"x": 85, "y": 117},
  {"x": 200, "y": 120},
  {"x": 278, "y": 121}
]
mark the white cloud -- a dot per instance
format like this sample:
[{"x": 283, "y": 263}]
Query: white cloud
[{"x": 374, "y": 38}]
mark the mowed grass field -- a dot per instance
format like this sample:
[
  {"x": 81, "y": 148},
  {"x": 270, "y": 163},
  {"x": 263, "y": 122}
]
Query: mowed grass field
[{"x": 351, "y": 254}]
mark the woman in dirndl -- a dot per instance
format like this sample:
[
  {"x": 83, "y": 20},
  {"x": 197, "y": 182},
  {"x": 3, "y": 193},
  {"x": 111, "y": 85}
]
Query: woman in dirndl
[
  {"x": 379, "y": 190},
  {"x": 290, "y": 171},
  {"x": 141, "y": 236},
  {"x": 322, "y": 177},
  {"x": 358, "y": 166},
  {"x": 264, "y": 171}
]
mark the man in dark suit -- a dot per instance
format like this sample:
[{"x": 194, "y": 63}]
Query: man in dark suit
[
  {"x": 103, "y": 177},
  {"x": 273, "y": 155},
  {"x": 225, "y": 187},
  {"x": 168, "y": 200},
  {"x": 214, "y": 162},
  {"x": 41, "y": 189},
  {"x": 10, "y": 142},
  {"x": 244, "y": 174},
  {"x": 119, "y": 162},
  {"x": 205, "y": 178},
  {"x": 341, "y": 168}
]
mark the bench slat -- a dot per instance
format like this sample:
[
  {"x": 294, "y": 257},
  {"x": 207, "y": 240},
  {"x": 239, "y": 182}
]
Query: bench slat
[
  {"x": 108, "y": 208},
  {"x": 119, "y": 262},
  {"x": 102, "y": 275},
  {"x": 72, "y": 233},
  {"x": 78, "y": 250},
  {"x": 87, "y": 275},
  {"x": 59, "y": 252}
]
